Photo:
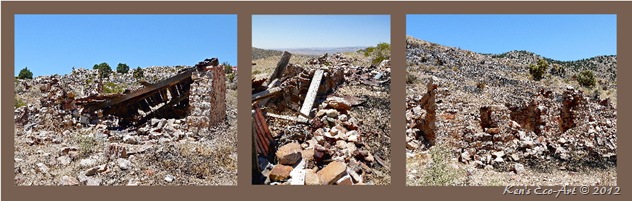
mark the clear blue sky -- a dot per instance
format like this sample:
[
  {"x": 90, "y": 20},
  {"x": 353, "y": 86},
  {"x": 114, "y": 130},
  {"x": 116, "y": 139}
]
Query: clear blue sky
[
  {"x": 53, "y": 44},
  {"x": 308, "y": 31},
  {"x": 561, "y": 37}
]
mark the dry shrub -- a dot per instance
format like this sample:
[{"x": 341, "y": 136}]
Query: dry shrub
[{"x": 440, "y": 172}]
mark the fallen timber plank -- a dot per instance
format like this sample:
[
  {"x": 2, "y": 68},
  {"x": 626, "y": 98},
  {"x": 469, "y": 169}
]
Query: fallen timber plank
[
  {"x": 143, "y": 92},
  {"x": 274, "y": 80},
  {"x": 299, "y": 119},
  {"x": 280, "y": 68},
  {"x": 266, "y": 93},
  {"x": 311, "y": 93},
  {"x": 138, "y": 120}
]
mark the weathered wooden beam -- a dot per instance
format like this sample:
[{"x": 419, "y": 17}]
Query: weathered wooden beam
[
  {"x": 311, "y": 93},
  {"x": 280, "y": 68},
  {"x": 267, "y": 93},
  {"x": 299, "y": 119},
  {"x": 274, "y": 83}
]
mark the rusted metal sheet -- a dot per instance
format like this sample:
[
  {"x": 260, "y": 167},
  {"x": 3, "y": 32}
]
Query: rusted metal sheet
[{"x": 263, "y": 138}]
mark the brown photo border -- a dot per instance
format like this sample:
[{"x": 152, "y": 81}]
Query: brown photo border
[{"x": 244, "y": 10}]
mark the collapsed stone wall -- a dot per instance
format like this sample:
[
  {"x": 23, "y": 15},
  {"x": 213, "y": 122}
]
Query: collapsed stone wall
[
  {"x": 542, "y": 130},
  {"x": 422, "y": 118},
  {"x": 207, "y": 99},
  {"x": 54, "y": 109}
]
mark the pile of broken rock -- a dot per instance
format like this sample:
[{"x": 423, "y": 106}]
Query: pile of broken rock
[
  {"x": 325, "y": 145},
  {"x": 570, "y": 130},
  {"x": 53, "y": 147}
]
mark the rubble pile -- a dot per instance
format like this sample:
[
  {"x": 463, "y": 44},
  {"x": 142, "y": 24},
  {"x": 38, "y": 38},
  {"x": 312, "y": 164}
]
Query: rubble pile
[
  {"x": 421, "y": 118},
  {"x": 54, "y": 145},
  {"x": 540, "y": 131},
  {"x": 327, "y": 144},
  {"x": 494, "y": 118}
]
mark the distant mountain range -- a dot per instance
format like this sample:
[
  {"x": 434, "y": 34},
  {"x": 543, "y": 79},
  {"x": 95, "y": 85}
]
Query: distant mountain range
[{"x": 317, "y": 51}]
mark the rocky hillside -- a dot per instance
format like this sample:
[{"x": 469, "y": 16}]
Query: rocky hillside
[
  {"x": 489, "y": 113},
  {"x": 53, "y": 147},
  {"x": 258, "y": 53}
]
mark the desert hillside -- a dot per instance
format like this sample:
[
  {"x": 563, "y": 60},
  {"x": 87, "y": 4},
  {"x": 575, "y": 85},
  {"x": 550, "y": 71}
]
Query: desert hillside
[
  {"x": 56, "y": 145},
  {"x": 513, "y": 118}
]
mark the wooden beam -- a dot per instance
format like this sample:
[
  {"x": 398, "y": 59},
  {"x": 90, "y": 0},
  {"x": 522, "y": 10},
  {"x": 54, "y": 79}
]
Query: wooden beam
[
  {"x": 311, "y": 93},
  {"x": 299, "y": 119},
  {"x": 280, "y": 68},
  {"x": 267, "y": 93}
]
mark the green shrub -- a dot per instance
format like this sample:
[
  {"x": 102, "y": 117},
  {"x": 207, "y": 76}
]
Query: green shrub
[
  {"x": 538, "y": 71},
  {"x": 138, "y": 73},
  {"x": 227, "y": 68},
  {"x": 112, "y": 88},
  {"x": 25, "y": 74},
  {"x": 231, "y": 77},
  {"x": 87, "y": 145},
  {"x": 558, "y": 70},
  {"x": 481, "y": 85},
  {"x": 379, "y": 53},
  {"x": 440, "y": 171},
  {"x": 122, "y": 68},
  {"x": 586, "y": 78},
  {"x": 104, "y": 69},
  {"x": 411, "y": 78},
  {"x": 19, "y": 102}
]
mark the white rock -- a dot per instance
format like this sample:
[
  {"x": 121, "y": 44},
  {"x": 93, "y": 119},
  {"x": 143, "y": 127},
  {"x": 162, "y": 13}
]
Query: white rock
[
  {"x": 64, "y": 160},
  {"x": 133, "y": 182},
  {"x": 93, "y": 181},
  {"x": 343, "y": 117},
  {"x": 130, "y": 139},
  {"x": 519, "y": 168},
  {"x": 332, "y": 113},
  {"x": 41, "y": 167},
  {"x": 68, "y": 181},
  {"x": 499, "y": 154},
  {"x": 124, "y": 164},
  {"x": 297, "y": 174},
  {"x": 352, "y": 136},
  {"x": 87, "y": 162},
  {"x": 169, "y": 178}
]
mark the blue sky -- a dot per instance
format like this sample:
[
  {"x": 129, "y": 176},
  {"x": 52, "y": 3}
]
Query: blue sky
[
  {"x": 561, "y": 37},
  {"x": 317, "y": 31},
  {"x": 53, "y": 44}
]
